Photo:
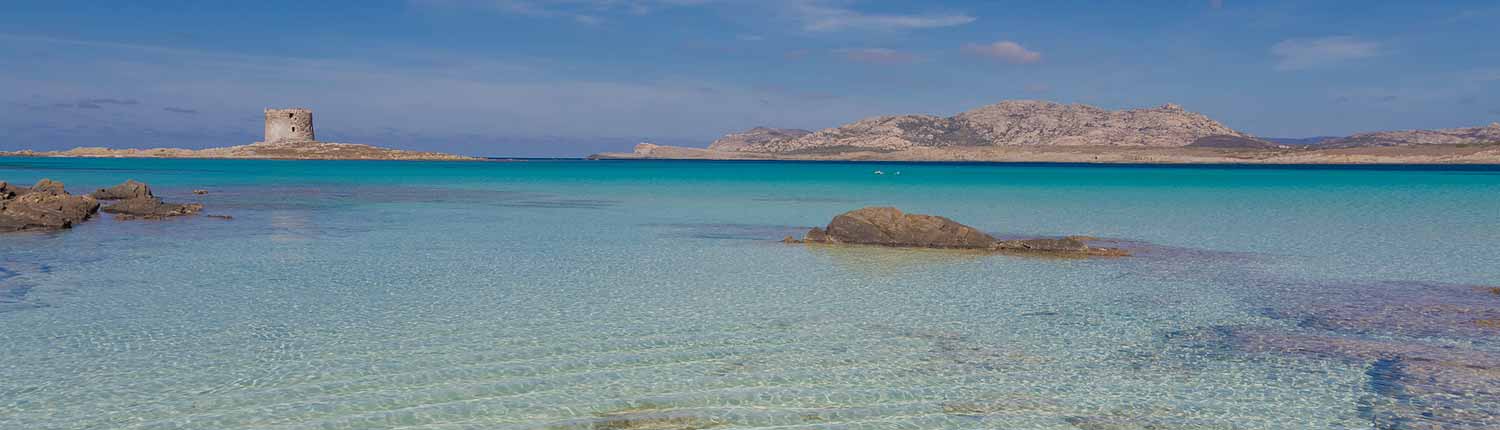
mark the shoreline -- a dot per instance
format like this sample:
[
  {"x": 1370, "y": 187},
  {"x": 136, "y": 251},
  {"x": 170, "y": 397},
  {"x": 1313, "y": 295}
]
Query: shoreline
[
  {"x": 1390, "y": 155},
  {"x": 290, "y": 150}
]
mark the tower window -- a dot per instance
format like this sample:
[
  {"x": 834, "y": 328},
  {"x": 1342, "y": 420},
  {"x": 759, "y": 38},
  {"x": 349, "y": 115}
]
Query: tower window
[{"x": 294, "y": 128}]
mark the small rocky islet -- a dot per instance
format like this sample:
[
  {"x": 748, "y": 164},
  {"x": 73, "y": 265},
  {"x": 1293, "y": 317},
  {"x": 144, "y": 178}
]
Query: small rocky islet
[
  {"x": 890, "y": 227},
  {"x": 47, "y": 205}
]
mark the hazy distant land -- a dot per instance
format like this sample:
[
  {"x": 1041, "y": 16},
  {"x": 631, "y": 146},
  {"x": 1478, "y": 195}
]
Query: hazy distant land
[
  {"x": 1038, "y": 131},
  {"x": 259, "y": 150}
]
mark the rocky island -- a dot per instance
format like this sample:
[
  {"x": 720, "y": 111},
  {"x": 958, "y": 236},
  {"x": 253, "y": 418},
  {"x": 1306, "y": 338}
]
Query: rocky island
[
  {"x": 1040, "y": 131},
  {"x": 890, "y": 227},
  {"x": 289, "y": 135}
]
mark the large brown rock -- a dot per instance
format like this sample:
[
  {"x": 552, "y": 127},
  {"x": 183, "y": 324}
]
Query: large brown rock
[
  {"x": 886, "y": 226},
  {"x": 130, "y": 189},
  {"x": 43, "y": 206},
  {"x": 891, "y": 227}
]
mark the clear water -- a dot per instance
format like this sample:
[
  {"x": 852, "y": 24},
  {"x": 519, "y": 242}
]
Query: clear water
[{"x": 653, "y": 295}]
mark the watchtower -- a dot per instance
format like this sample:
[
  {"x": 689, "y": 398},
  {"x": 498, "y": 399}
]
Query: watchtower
[{"x": 289, "y": 125}]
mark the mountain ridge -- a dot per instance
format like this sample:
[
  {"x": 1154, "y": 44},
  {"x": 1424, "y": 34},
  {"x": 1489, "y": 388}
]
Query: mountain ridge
[{"x": 1011, "y": 122}]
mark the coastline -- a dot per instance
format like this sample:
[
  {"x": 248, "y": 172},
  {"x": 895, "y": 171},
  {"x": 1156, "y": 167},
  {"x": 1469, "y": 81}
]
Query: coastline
[
  {"x": 1393, "y": 155},
  {"x": 307, "y": 150}
]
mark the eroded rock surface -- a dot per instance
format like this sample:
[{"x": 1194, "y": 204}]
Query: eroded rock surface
[
  {"x": 151, "y": 208},
  {"x": 755, "y": 136},
  {"x": 130, "y": 189},
  {"x": 43, "y": 206},
  {"x": 135, "y": 201},
  {"x": 885, "y": 226}
]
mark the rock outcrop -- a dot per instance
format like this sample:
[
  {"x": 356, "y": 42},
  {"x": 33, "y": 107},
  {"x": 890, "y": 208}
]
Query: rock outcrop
[
  {"x": 885, "y": 226},
  {"x": 1450, "y": 136},
  {"x": 137, "y": 202},
  {"x": 150, "y": 208},
  {"x": 43, "y": 206},
  {"x": 130, "y": 189},
  {"x": 1009, "y": 123},
  {"x": 755, "y": 136}
]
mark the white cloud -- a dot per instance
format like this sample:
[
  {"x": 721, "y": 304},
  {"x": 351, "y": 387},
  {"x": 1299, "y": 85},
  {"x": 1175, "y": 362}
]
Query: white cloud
[
  {"x": 878, "y": 56},
  {"x": 1005, "y": 50},
  {"x": 811, "y": 15},
  {"x": 820, "y": 16},
  {"x": 1301, "y": 54}
]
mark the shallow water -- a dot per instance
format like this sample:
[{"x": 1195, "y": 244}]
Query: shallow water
[{"x": 653, "y": 295}]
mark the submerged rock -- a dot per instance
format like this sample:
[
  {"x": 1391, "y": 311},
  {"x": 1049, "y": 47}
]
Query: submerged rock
[
  {"x": 43, "y": 206},
  {"x": 130, "y": 189},
  {"x": 885, "y": 226},
  {"x": 150, "y": 208}
]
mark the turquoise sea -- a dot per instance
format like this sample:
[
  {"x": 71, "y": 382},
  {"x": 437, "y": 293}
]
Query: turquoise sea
[{"x": 570, "y": 294}]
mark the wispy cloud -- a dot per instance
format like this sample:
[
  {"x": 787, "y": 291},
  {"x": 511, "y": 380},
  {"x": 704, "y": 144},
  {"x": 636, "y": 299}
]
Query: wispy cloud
[
  {"x": 1302, "y": 54},
  {"x": 824, "y": 16},
  {"x": 811, "y": 15},
  {"x": 88, "y": 103},
  {"x": 125, "y": 102},
  {"x": 1005, "y": 50},
  {"x": 426, "y": 94},
  {"x": 589, "y": 12},
  {"x": 878, "y": 56}
]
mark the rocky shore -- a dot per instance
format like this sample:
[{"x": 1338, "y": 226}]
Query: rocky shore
[
  {"x": 305, "y": 150},
  {"x": 46, "y": 205},
  {"x": 1426, "y": 154},
  {"x": 885, "y": 226}
]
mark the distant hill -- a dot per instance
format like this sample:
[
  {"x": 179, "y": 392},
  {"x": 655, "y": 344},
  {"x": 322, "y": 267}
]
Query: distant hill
[
  {"x": 1298, "y": 141},
  {"x": 1009, "y": 123},
  {"x": 755, "y": 136},
  {"x": 1233, "y": 142},
  {"x": 1450, "y": 136}
]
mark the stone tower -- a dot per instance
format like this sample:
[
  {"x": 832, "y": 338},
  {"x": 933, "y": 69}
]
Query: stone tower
[{"x": 289, "y": 125}]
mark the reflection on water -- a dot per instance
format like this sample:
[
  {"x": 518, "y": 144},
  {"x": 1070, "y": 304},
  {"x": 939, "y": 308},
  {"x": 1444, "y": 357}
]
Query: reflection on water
[{"x": 558, "y": 295}]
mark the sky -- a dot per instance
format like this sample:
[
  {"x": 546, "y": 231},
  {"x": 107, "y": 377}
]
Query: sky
[{"x": 566, "y": 78}]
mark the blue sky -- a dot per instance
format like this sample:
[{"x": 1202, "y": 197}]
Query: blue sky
[{"x": 572, "y": 77}]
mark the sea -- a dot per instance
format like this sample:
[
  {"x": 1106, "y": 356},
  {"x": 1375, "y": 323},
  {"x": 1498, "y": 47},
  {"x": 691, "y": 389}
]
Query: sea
[{"x": 579, "y": 294}]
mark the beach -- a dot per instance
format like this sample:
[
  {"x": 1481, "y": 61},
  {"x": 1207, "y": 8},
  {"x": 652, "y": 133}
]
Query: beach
[{"x": 567, "y": 294}]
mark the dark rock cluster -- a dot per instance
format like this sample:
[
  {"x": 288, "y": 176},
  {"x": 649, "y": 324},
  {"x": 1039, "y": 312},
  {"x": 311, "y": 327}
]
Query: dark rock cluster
[
  {"x": 43, "y": 206},
  {"x": 46, "y": 205},
  {"x": 136, "y": 201}
]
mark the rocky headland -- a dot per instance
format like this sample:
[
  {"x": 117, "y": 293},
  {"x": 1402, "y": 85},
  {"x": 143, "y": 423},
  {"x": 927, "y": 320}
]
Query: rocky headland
[
  {"x": 890, "y": 227},
  {"x": 1040, "y": 131},
  {"x": 284, "y": 150},
  {"x": 46, "y": 205}
]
